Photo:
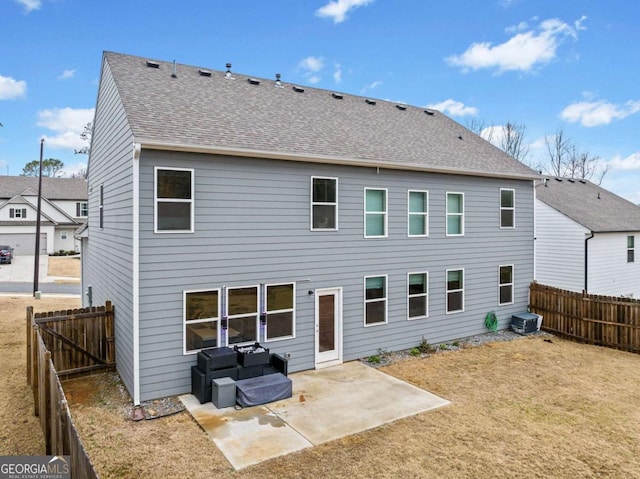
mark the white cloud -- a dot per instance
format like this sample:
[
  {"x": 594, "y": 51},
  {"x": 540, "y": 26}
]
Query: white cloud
[
  {"x": 522, "y": 52},
  {"x": 313, "y": 79},
  {"x": 66, "y": 74},
  {"x": 631, "y": 162},
  {"x": 453, "y": 107},
  {"x": 30, "y": 5},
  {"x": 67, "y": 124},
  {"x": 75, "y": 169},
  {"x": 370, "y": 86},
  {"x": 337, "y": 73},
  {"x": 338, "y": 9},
  {"x": 594, "y": 113},
  {"x": 311, "y": 66},
  {"x": 10, "y": 88}
]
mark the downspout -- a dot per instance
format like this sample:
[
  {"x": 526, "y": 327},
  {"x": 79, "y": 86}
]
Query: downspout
[
  {"x": 135, "y": 271},
  {"x": 586, "y": 262}
]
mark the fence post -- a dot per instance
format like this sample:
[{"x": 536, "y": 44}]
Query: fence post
[
  {"x": 29, "y": 321},
  {"x": 48, "y": 409},
  {"x": 35, "y": 369}
]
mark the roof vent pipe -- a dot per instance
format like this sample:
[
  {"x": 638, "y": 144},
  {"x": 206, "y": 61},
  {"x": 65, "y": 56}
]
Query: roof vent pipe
[
  {"x": 278, "y": 82},
  {"x": 228, "y": 75},
  {"x": 173, "y": 74},
  {"x": 598, "y": 195},
  {"x": 546, "y": 181}
]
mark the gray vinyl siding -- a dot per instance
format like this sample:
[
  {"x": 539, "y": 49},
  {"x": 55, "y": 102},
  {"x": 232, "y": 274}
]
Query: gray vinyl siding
[
  {"x": 108, "y": 268},
  {"x": 252, "y": 226}
]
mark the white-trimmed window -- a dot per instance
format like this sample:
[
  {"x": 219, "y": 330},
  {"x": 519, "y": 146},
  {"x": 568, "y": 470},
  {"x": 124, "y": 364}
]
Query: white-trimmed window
[
  {"x": 280, "y": 308},
  {"x": 173, "y": 200},
  {"x": 455, "y": 214},
  {"x": 242, "y": 314},
  {"x": 455, "y": 290},
  {"x": 82, "y": 209},
  {"x": 418, "y": 211},
  {"x": 505, "y": 286},
  {"x": 63, "y": 235},
  {"x": 201, "y": 319},
  {"x": 418, "y": 295},
  {"x": 631, "y": 257},
  {"x": 19, "y": 213},
  {"x": 507, "y": 208},
  {"x": 101, "y": 207},
  {"x": 375, "y": 213},
  {"x": 324, "y": 204},
  {"x": 375, "y": 300}
]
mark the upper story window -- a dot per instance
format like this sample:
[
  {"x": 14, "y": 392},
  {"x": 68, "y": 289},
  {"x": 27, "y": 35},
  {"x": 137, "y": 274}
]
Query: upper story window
[
  {"x": 455, "y": 290},
  {"x": 631, "y": 249},
  {"x": 82, "y": 209},
  {"x": 507, "y": 208},
  {"x": 101, "y": 207},
  {"x": 418, "y": 210},
  {"x": 281, "y": 303},
  {"x": 174, "y": 200},
  {"x": 455, "y": 214},
  {"x": 18, "y": 213},
  {"x": 375, "y": 213},
  {"x": 418, "y": 289},
  {"x": 201, "y": 319},
  {"x": 324, "y": 204},
  {"x": 375, "y": 300},
  {"x": 505, "y": 286}
]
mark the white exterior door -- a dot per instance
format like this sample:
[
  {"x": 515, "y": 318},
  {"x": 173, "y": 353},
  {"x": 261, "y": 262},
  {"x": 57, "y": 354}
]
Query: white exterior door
[{"x": 328, "y": 325}]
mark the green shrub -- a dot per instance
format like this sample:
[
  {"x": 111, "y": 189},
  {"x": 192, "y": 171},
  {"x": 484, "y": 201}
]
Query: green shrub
[
  {"x": 414, "y": 352},
  {"x": 375, "y": 359}
]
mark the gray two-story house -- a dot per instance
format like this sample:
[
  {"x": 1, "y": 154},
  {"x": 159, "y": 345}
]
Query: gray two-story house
[{"x": 225, "y": 210}]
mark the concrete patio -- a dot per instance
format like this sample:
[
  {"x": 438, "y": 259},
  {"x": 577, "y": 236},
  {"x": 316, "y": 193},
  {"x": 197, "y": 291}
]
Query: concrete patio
[{"x": 327, "y": 404}]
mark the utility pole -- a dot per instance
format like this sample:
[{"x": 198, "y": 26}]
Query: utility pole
[{"x": 36, "y": 266}]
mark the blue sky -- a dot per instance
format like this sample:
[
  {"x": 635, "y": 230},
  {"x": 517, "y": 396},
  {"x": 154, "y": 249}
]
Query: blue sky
[{"x": 549, "y": 65}]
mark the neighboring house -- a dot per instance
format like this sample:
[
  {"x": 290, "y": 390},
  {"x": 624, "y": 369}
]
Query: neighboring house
[
  {"x": 225, "y": 210},
  {"x": 587, "y": 238},
  {"x": 63, "y": 210}
]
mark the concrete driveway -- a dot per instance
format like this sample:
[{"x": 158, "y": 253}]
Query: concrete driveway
[
  {"x": 327, "y": 404},
  {"x": 21, "y": 269}
]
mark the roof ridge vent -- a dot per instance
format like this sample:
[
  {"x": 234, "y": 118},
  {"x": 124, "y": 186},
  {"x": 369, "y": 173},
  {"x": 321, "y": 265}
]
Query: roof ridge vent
[
  {"x": 429, "y": 112},
  {"x": 558, "y": 179},
  {"x": 152, "y": 64},
  {"x": 278, "y": 82},
  {"x": 298, "y": 89},
  {"x": 204, "y": 73},
  {"x": 228, "y": 74},
  {"x": 401, "y": 107},
  {"x": 571, "y": 180},
  {"x": 253, "y": 81},
  {"x": 337, "y": 96},
  {"x": 370, "y": 101},
  {"x": 583, "y": 181}
]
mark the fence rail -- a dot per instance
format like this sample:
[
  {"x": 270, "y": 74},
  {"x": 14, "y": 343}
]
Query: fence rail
[
  {"x": 602, "y": 320},
  {"x": 48, "y": 347}
]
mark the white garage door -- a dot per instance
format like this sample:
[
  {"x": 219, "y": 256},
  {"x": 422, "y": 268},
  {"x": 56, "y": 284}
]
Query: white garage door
[{"x": 24, "y": 243}]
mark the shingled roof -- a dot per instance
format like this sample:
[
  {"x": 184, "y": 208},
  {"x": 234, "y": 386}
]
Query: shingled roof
[
  {"x": 52, "y": 188},
  {"x": 589, "y": 205},
  {"x": 256, "y": 117}
]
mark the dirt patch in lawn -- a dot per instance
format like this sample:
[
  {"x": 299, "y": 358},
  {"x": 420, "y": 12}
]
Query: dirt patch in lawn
[
  {"x": 531, "y": 407},
  {"x": 65, "y": 266}
]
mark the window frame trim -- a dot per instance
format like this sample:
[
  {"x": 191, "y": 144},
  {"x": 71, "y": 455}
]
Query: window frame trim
[
  {"x": 631, "y": 249},
  {"x": 366, "y": 301},
  {"x": 425, "y": 294},
  {"x": 101, "y": 206},
  {"x": 512, "y": 284},
  {"x": 228, "y": 317},
  {"x": 191, "y": 201},
  {"x": 312, "y": 204},
  {"x": 186, "y": 352},
  {"x": 511, "y": 208},
  {"x": 447, "y": 214},
  {"x": 425, "y": 214},
  {"x": 266, "y": 312},
  {"x": 383, "y": 213},
  {"x": 447, "y": 291}
]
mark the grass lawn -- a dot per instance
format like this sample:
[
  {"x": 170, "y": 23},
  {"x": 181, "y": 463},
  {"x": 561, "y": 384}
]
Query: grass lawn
[{"x": 525, "y": 408}]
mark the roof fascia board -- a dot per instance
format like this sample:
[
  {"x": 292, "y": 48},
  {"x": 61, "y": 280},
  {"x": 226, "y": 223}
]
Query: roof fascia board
[{"x": 275, "y": 155}]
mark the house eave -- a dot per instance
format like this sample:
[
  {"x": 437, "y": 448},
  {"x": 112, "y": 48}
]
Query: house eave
[{"x": 287, "y": 156}]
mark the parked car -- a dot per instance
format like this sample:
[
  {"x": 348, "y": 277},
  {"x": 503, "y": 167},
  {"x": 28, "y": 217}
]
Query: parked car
[{"x": 6, "y": 254}]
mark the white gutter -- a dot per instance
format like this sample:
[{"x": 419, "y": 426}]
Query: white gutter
[
  {"x": 281, "y": 155},
  {"x": 135, "y": 268}
]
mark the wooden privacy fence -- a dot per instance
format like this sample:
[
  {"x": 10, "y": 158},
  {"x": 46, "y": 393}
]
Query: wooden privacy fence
[
  {"x": 601, "y": 320},
  {"x": 81, "y": 341}
]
